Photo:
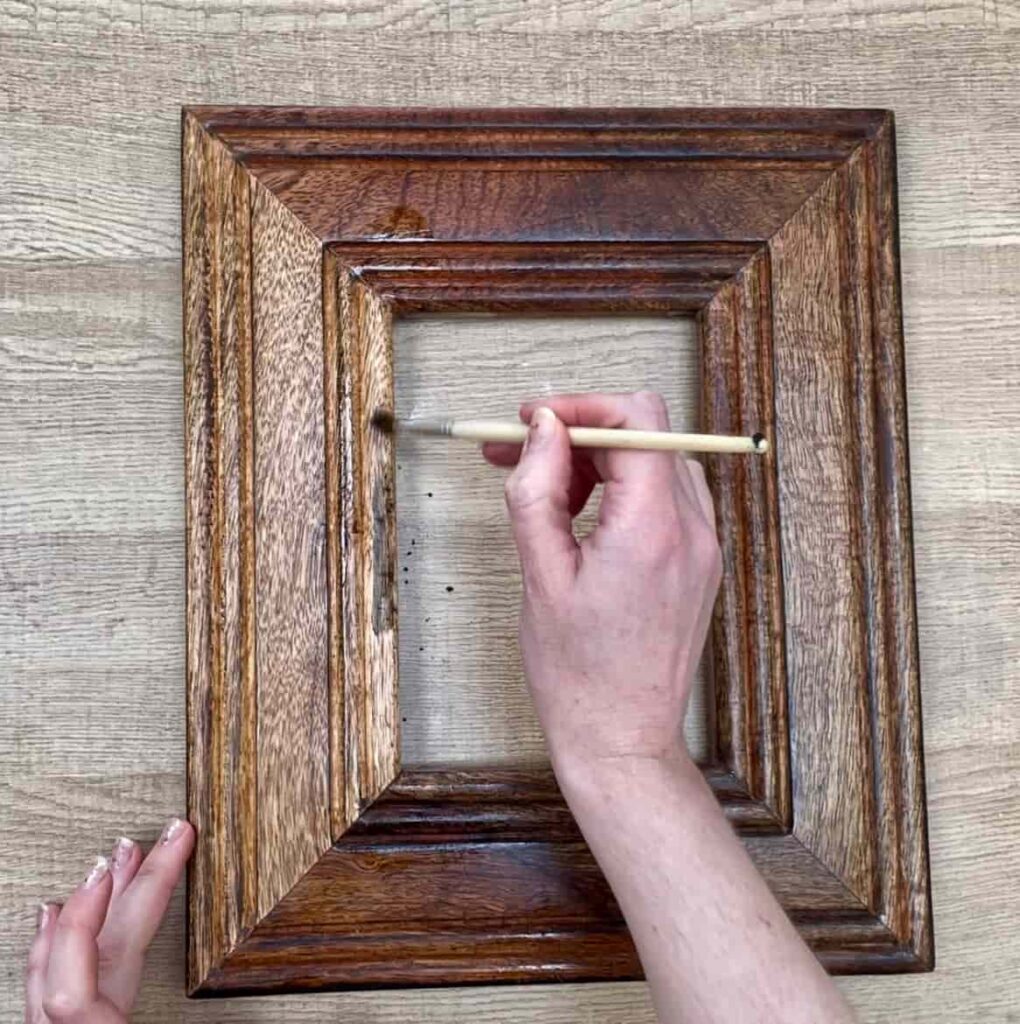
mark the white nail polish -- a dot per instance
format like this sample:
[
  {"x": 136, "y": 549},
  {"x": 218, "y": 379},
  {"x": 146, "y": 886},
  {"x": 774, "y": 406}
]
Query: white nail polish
[
  {"x": 98, "y": 872},
  {"x": 171, "y": 831},
  {"x": 122, "y": 851}
]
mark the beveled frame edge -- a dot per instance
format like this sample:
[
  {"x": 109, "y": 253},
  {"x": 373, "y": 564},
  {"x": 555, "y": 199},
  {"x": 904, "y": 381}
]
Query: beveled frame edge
[
  {"x": 748, "y": 763},
  {"x": 234, "y": 920}
]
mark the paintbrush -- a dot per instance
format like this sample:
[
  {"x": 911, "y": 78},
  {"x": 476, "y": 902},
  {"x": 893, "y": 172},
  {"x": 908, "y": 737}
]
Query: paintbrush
[{"x": 508, "y": 432}]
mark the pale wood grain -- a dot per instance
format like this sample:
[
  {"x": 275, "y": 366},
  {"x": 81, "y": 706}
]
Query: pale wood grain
[
  {"x": 462, "y": 692},
  {"x": 91, "y": 443},
  {"x": 960, "y": 111},
  {"x": 813, "y": 361},
  {"x": 290, "y": 566},
  {"x": 252, "y": 16}
]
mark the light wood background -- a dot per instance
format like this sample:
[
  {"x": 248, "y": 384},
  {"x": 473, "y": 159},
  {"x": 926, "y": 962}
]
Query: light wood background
[
  {"x": 462, "y": 693},
  {"x": 91, "y": 449}
]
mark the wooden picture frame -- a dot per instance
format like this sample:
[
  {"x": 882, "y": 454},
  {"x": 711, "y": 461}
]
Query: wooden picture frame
[{"x": 321, "y": 861}]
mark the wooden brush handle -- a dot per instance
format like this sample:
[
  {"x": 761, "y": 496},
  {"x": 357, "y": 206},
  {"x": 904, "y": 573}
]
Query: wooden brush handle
[{"x": 600, "y": 437}]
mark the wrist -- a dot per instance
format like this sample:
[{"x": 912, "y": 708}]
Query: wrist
[{"x": 585, "y": 778}]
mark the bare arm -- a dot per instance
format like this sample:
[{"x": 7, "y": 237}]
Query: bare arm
[{"x": 612, "y": 628}]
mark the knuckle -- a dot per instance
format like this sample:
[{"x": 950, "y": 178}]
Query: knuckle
[
  {"x": 61, "y": 1004},
  {"x": 520, "y": 492},
  {"x": 660, "y": 544},
  {"x": 705, "y": 550},
  {"x": 653, "y": 405},
  {"x": 156, "y": 878}
]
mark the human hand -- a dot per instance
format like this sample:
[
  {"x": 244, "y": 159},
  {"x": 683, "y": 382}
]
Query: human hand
[
  {"x": 85, "y": 964},
  {"x": 612, "y": 627}
]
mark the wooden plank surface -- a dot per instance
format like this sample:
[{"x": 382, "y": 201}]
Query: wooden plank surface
[
  {"x": 220, "y": 607},
  {"x": 290, "y": 545},
  {"x": 813, "y": 362},
  {"x": 91, "y": 408}
]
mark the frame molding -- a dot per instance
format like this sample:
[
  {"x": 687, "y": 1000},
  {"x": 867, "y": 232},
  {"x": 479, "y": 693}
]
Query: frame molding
[{"x": 321, "y": 861}]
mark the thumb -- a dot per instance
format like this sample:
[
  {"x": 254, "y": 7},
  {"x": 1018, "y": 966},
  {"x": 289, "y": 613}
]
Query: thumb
[{"x": 538, "y": 497}]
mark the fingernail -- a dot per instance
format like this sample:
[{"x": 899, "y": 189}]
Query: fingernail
[
  {"x": 98, "y": 873},
  {"x": 43, "y": 916},
  {"x": 122, "y": 851},
  {"x": 543, "y": 420},
  {"x": 171, "y": 831}
]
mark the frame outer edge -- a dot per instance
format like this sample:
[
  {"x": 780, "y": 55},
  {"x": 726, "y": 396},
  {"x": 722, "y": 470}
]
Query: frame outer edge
[{"x": 351, "y": 482}]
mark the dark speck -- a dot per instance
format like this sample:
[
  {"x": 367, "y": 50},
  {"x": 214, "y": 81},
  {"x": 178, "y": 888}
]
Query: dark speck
[
  {"x": 405, "y": 568},
  {"x": 449, "y": 590},
  {"x": 430, "y": 494},
  {"x": 421, "y": 648},
  {"x": 412, "y": 543},
  {"x": 403, "y": 719}
]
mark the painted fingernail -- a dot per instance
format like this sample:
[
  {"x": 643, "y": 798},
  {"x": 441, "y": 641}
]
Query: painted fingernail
[
  {"x": 98, "y": 873},
  {"x": 43, "y": 915},
  {"x": 122, "y": 851},
  {"x": 171, "y": 831}
]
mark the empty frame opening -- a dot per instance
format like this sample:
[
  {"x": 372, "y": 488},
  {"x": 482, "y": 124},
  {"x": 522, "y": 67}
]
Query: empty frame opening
[{"x": 463, "y": 698}]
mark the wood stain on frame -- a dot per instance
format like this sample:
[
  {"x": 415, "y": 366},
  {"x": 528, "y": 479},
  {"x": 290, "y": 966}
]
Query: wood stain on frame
[{"x": 320, "y": 862}]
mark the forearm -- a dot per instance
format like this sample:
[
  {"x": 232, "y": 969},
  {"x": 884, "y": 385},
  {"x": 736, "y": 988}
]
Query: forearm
[{"x": 714, "y": 943}]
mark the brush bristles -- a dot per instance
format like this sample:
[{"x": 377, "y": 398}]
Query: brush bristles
[{"x": 383, "y": 419}]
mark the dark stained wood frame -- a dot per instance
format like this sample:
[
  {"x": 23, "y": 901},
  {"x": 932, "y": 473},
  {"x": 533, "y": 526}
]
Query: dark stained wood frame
[{"x": 321, "y": 861}]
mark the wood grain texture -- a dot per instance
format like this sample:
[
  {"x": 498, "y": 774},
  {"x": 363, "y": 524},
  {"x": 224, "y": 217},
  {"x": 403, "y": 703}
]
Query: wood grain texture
[
  {"x": 749, "y": 658},
  {"x": 815, "y": 353},
  {"x": 476, "y": 211},
  {"x": 366, "y": 592},
  {"x": 92, "y": 529},
  {"x": 139, "y": 16},
  {"x": 222, "y": 705},
  {"x": 844, "y": 239},
  {"x": 557, "y": 918},
  {"x": 290, "y": 558}
]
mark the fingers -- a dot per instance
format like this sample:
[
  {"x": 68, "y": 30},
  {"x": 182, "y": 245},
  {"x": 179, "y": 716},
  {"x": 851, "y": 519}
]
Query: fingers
[
  {"x": 38, "y": 958},
  {"x": 142, "y": 890},
  {"x": 538, "y": 498},
  {"x": 640, "y": 485},
  {"x": 637, "y": 475},
  {"x": 141, "y": 905},
  {"x": 642, "y": 410},
  {"x": 583, "y": 474},
  {"x": 72, "y": 973},
  {"x": 501, "y": 454},
  {"x": 110, "y": 919},
  {"x": 124, "y": 862}
]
